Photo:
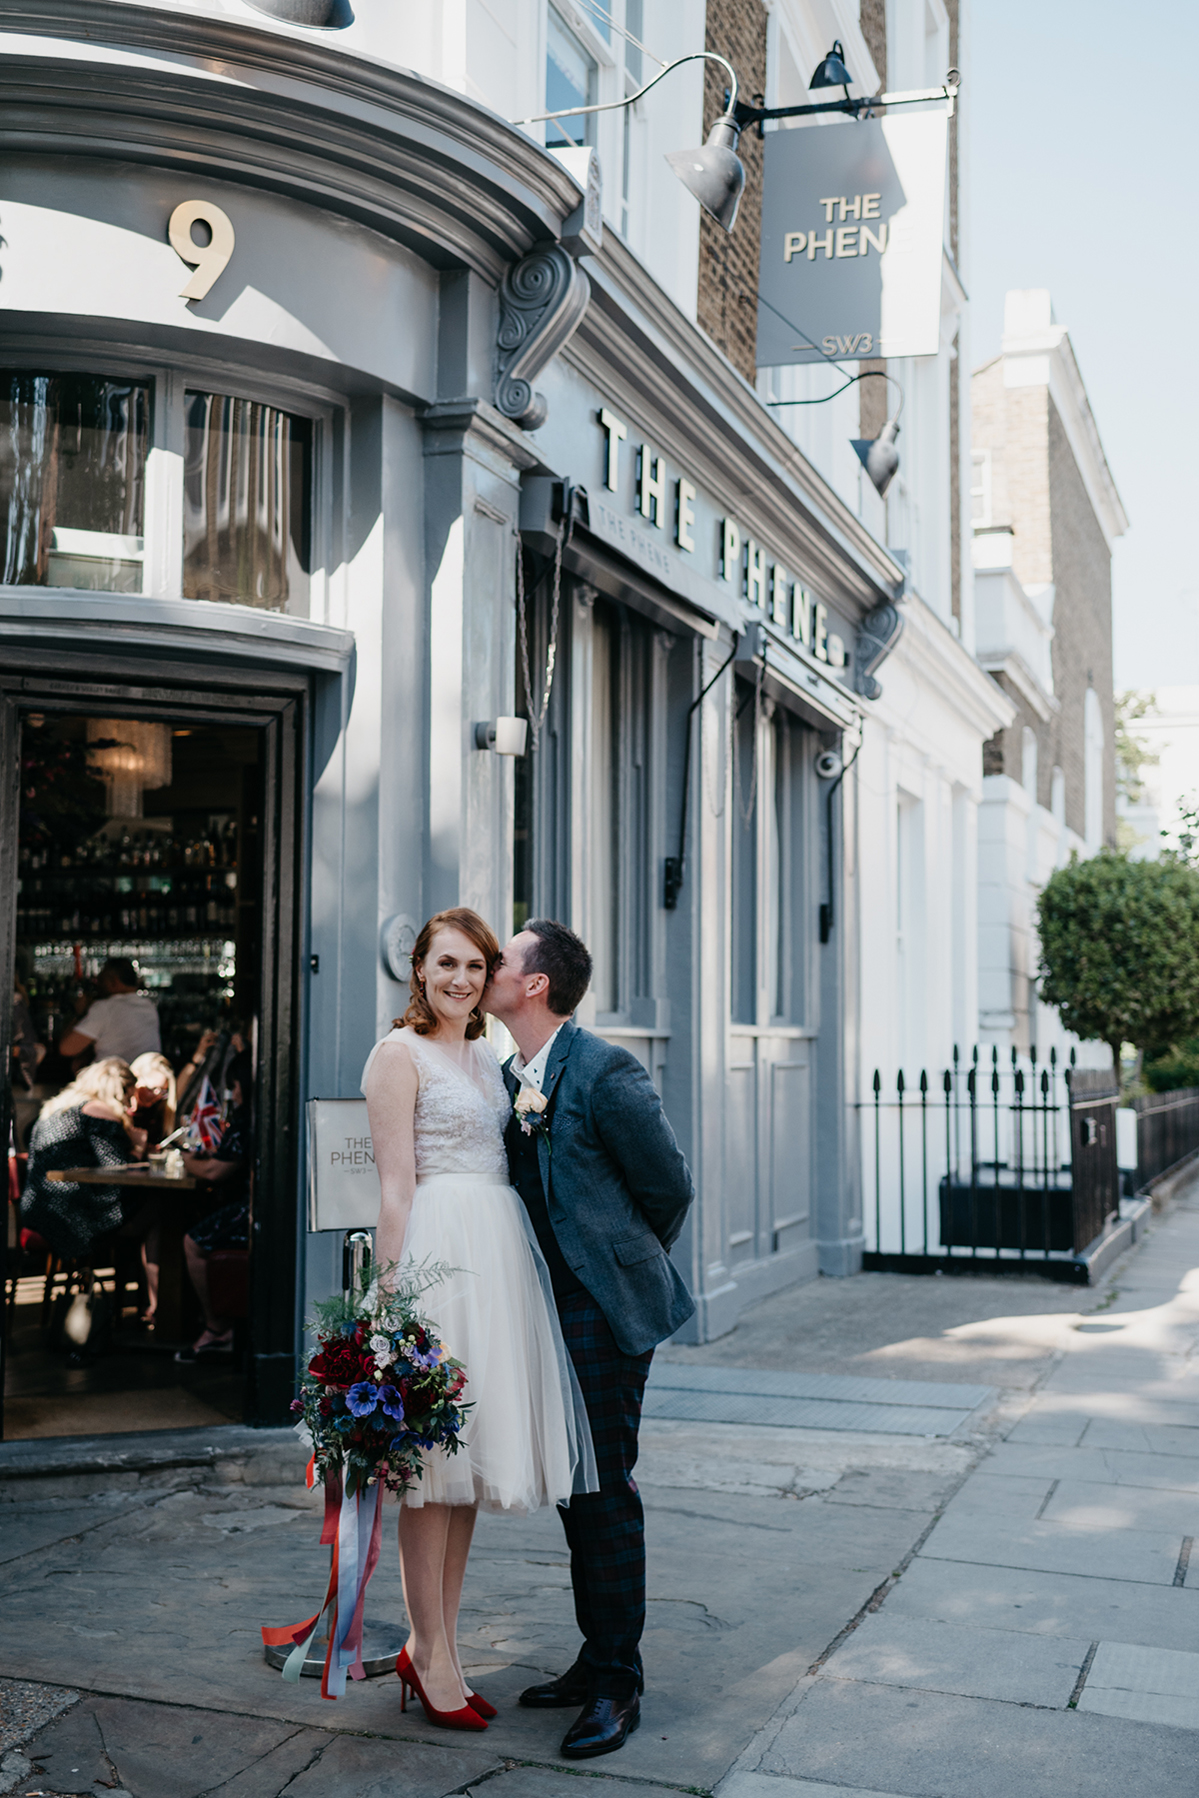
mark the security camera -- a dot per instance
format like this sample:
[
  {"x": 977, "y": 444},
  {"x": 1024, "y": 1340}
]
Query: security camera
[{"x": 828, "y": 764}]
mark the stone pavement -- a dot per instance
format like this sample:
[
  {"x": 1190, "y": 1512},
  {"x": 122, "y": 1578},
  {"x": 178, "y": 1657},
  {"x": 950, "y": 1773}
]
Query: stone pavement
[
  {"x": 995, "y": 1610},
  {"x": 1044, "y": 1638}
]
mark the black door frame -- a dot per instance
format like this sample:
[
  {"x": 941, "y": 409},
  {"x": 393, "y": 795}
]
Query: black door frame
[{"x": 277, "y": 702}]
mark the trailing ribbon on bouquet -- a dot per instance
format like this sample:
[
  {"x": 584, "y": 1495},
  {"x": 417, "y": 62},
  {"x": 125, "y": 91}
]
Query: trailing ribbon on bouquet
[
  {"x": 380, "y": 1393},
  {"x": 352, "y": 1527}
]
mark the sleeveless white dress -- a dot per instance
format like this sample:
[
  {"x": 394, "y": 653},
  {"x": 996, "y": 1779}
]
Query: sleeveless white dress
[{"x": 525, "y": 1442}]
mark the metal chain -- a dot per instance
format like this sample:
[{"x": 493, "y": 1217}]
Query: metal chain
[
  {"x": 565, "y": 529},
  {"x": 746, "y": 808}
]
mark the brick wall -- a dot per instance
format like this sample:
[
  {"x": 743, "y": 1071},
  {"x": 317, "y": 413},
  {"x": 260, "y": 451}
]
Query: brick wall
[
  {"x": 1036, "y": 487},
  {"x": 728, "y": 265},
  {"x": 872, "y": 17},
  {"x": 1082, "y": 618}
]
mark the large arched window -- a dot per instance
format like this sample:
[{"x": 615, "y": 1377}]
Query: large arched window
[{"x": 78, "y": 460}]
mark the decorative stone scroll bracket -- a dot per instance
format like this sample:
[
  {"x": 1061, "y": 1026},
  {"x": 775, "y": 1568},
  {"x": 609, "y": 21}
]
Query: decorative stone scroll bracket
[
  {"x": 878, "y": 634},
  {"x": 542, "y": 302}
]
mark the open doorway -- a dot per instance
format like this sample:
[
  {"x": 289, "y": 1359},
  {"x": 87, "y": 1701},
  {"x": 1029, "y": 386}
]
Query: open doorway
[{"x": 135, "y": 1060}]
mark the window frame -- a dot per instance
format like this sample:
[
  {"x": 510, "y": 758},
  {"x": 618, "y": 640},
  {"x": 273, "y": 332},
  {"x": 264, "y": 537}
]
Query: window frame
[
  {"x": 779, "y": 863},
  {"x": 162, "y": 532}
]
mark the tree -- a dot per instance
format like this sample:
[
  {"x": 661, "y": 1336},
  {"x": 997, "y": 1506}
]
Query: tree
[
  {"x": 1120, "y": 950},
  {"x": 1132, "y": 752}
]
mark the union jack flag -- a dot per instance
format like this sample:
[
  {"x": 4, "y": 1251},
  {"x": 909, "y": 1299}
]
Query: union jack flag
[{"x": 206, "y": 1118}]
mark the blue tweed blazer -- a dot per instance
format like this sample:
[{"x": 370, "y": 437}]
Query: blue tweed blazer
[{"x": 616, "y": 1185}]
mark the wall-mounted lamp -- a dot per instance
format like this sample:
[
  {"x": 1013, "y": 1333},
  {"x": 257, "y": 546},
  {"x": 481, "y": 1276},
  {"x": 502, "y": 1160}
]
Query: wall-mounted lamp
[
  {"x": 506, "y": 736},
  {"x": 714, "y": 173},
  {"x": 879, "y": 456},
  {"x": 832, "y": 72}
]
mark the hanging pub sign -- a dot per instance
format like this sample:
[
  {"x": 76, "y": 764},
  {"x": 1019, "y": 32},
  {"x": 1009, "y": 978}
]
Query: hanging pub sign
[{"x": 852, "y": 232}]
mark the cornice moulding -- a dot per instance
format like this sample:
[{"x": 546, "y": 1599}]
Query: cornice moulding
[
  {"x": 1046, "y": 358},
  {"x": 1011, "y": 663},
  {"x": 220, "y": 97},
  {"x": 957, "y": 677}
]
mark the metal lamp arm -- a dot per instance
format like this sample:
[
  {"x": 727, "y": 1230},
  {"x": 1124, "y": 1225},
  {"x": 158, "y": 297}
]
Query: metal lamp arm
[
  {"x": 876, "y": 374},
  {"x": 572, "y": 112}
]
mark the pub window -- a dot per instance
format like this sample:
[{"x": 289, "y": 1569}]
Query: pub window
[
  {"x": 619, "y": 823},
  {"x": 770, "y": 922},
  {"x": 745, "y": 773},
  {"x": 246, "y": 503},
  {"x": 791, "y": 917},
  {"x": 605, "y": 859},
  {"x": 73, "y": 475}
]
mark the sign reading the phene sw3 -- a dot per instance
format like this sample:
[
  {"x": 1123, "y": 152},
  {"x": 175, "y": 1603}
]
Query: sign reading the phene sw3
[{"x": 852, "y": 229}]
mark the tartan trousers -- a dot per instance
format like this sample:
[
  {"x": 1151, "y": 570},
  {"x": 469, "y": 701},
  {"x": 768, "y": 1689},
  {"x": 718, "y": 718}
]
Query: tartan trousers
[{"x": 605, "y": 1530}]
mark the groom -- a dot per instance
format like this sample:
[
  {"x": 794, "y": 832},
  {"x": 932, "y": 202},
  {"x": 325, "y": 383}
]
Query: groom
[{"x": 606, "y": 1189}]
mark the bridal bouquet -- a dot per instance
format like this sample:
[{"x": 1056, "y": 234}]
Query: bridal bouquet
[
  {"x": 381, "y": 1389},
  {"x": 379, "y": 1393}
]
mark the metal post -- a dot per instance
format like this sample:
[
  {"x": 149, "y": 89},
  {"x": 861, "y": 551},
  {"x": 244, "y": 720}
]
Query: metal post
[{"x": 357, "y": 1253}]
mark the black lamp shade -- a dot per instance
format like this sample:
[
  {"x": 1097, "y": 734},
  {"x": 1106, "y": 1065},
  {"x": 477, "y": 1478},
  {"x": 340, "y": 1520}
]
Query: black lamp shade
[
  {"x": 715, "y": 174},
  {"x": 832, "y": 72}
]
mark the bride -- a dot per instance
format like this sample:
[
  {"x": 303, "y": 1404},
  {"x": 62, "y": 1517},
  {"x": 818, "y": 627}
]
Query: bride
[{"x": 437, "y": 1106}]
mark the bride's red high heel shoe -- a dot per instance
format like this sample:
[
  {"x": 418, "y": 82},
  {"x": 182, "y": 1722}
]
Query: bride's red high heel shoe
[
  {"x": 466, "y": 1718},
  {"x": 480, "y": 1704}
]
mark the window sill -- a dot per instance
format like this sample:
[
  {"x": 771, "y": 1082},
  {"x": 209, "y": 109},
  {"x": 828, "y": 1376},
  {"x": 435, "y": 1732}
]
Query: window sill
[
  {"x": 788, "y": 1030},
  {"x": 112, "y": 621}
]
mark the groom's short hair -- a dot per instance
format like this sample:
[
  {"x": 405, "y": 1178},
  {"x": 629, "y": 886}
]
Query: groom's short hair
[{"x": 564, "y": 959}]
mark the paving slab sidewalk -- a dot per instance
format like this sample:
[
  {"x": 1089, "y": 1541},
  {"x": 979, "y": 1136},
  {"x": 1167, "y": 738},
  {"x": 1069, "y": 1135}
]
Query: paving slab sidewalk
[
  {"x": 132, "y": 1604},
  {"x": 1044, "y": 1638}
]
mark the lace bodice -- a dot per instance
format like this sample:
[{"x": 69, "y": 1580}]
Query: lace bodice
[{"x": 461, "y": 1110}]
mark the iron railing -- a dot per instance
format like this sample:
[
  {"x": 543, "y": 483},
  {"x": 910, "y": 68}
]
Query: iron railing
[
  {"x": 1007, "y": 1164},
  {"x": 1167, "y": 1131}
]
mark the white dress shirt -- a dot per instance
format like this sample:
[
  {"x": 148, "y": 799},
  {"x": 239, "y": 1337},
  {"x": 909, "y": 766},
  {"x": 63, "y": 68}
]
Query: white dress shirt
[{"x": 532, "y": 1073}]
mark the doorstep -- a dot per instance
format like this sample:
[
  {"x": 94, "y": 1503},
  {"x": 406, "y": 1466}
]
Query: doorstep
[{"x": 154, "y": 1451}]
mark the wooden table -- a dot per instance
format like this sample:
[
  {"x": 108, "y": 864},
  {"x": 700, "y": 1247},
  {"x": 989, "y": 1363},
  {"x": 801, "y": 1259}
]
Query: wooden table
[
  {"x": 174, "y": 1288},
  {"x": 124, "y": 1176}
]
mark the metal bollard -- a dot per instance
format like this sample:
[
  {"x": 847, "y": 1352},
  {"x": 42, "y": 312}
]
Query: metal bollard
[{"x": 357, "y": 1252}]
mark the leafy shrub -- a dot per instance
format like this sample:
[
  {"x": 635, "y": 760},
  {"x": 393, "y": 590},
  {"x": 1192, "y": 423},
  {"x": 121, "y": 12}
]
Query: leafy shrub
[{"x": 1120, "y": 950}]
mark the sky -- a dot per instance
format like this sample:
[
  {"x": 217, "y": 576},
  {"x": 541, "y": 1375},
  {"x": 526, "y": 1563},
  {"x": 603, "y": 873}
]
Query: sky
[{"x": 1081, "y": 179}]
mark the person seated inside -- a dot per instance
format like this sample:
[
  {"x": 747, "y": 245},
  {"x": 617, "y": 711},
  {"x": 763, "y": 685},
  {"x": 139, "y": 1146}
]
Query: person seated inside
[
  {"x": 155, "y": 1097},
  {"x": 90, "y": 1124},
  {"x": 123, "y": 1021},
  {"x": 187, "y": 1081},
  {"x": 227, "y": 1169}
]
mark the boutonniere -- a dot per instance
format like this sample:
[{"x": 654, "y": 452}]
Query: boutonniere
[{"x": 530, "y": 1108}]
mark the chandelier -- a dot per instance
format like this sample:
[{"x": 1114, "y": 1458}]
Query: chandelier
[{"x": 129, "y": 755}]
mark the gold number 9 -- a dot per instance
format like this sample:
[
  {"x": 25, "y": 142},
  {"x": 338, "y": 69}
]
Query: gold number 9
[{"x": 210, "y": 259}]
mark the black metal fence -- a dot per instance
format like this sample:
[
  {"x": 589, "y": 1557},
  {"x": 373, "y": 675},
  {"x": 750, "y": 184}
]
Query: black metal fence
[
  {"x": 1009, "y": 1163},
  {"x": 1167, "y": 1131}
]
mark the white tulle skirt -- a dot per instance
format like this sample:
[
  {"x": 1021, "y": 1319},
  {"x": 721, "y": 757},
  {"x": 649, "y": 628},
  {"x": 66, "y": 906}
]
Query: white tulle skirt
[{"x": 525, "y": 1443}]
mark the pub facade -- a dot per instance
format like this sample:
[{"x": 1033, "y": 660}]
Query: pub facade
[{"x": 340, "y": 431}]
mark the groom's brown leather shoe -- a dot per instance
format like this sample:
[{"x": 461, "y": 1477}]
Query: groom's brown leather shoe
[
  {"x": 570, "y": 1688},
  {"x": 603, "y": 1726}
]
